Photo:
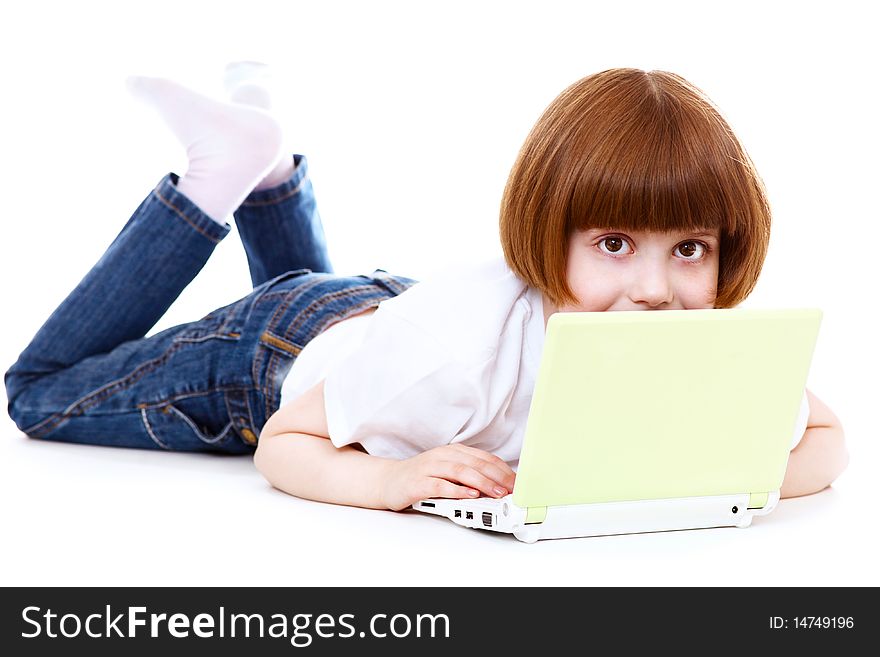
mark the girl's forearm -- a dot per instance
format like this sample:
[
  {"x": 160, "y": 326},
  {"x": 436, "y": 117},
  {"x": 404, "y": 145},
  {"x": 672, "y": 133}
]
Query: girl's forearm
[
  {"x": 816, "y": 462},
  {"x": 313, "y": 468}
]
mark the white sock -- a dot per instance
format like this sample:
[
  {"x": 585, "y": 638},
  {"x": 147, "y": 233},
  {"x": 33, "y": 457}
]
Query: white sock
[
  {"x": 250, "y": 83},
  {"x": 230, "y": 147}
]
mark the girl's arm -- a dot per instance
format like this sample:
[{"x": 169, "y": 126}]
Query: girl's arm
[
  {"x": 820, "y": 456},
  {"x": 295, "y": 455}
]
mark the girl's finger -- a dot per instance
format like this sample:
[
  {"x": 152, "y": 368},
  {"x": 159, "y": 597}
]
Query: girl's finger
[
  {"x": 439, "y": 487},
  {"x": 482, "y": 454},
  {"x": 494, "y": 469},
  {"x": 462, "y": 473}
]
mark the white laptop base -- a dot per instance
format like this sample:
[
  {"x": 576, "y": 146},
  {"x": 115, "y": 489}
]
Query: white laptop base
[{"x": 601, "y": 519}]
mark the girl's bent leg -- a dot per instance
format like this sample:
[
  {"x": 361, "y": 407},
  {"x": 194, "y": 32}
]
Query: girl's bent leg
[
  {"x": 187, "y": 388},
  {"x": 163, "y": 246},
  {"x": 281, "y": 228}
]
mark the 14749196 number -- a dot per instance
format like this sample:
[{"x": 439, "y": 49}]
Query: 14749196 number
[
  {"x": 825, "y": 622},
  {"x": 811, "y": 622}
]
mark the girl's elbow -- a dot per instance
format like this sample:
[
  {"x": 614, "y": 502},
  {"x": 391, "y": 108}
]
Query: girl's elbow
[
  {"x": 261, "y": 454},
  {"x": 817, "y": 463},
  {"x": 836, "y": 457},
  {"x": 842, "y": 455}
]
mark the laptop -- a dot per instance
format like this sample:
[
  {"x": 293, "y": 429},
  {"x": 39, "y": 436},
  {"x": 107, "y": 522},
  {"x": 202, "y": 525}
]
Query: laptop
[{"x": 653, "y": 421}]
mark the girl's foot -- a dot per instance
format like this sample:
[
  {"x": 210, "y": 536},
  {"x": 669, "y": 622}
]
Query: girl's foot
[
  {"x": 250, "y": 83},
  {"x": 230, "y": 147}
]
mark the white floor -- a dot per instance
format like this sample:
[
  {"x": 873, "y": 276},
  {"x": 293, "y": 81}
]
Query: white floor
[{"x": 81, "y": 515}]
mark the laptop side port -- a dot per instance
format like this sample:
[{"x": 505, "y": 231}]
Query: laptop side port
[
  {"x": 468, "y": 515},
  {"x": 487, "y": 519},
  {"x": 429, "y": 504},
  {"x": 458, "y": 513}
]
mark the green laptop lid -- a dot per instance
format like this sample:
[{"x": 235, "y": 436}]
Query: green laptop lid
[{"x": 664, "y": 404}]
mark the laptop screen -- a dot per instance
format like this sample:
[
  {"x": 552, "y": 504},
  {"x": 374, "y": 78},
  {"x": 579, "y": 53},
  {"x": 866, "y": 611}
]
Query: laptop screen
[{"x": 664, "y": 404}]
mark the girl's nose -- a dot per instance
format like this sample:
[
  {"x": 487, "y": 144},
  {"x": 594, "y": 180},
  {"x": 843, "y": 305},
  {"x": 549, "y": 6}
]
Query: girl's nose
[{"x": 651, "y": 286}]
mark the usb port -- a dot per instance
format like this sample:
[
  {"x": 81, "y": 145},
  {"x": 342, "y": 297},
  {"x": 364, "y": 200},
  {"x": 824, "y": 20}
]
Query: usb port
[
  {"x": 468, "y": 515},
  {"x": 458, "y": 513},
  {"x": 429, "y": 504},
  {"x": 487, "y": 519}
]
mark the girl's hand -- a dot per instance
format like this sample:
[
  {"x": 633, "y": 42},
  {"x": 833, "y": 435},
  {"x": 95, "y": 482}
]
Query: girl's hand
[{"x": 452, "y": 471}]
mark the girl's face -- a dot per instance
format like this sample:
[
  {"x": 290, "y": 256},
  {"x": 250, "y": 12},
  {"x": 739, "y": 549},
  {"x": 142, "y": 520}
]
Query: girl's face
[{"x": 610, "y": 269}]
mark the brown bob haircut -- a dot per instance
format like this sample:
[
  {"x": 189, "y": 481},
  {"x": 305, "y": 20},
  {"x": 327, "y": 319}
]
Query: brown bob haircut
[{"x": 632, "y": 150}]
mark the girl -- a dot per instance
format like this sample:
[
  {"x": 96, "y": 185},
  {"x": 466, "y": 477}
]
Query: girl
[{"x": 630, "y": 193}]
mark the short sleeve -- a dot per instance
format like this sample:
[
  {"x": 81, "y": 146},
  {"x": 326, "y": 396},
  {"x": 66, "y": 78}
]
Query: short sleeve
[
  {"x": 801, "y": 425},
  {"x": 401, "y": 392}
]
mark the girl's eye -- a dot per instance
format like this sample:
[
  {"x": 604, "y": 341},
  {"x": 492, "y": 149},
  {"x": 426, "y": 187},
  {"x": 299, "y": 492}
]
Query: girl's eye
[
  {"x": 689, "y": 249},
  {"x": 612, "y": 245},
  {"x": 616, "y": 245}
]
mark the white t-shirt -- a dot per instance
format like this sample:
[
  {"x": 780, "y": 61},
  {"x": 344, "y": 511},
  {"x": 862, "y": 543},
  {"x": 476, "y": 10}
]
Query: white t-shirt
[{"x": 418, "y": 373}]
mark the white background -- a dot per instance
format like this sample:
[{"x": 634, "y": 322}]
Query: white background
[{"x": 411, "y": 115}]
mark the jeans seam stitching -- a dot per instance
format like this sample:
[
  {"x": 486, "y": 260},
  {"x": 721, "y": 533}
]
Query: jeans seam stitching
[
  {"x": 274, "y": 358},
  {"x": 180, "y": 414},
  {"x": 150, "y": 430},
  {"x": 256, "y": 363},
  {"x": 281, "y": 343},
  {"x": 309, "y": 311},
  {"x": 101, "y": 394},
  {"x": 249, "y": 420},
  {"x": 165, "y": 401},
  {"x": 294, "y": 294},
  {"x": 189, "y": 221},
  {"x": 293, "y": 192}
]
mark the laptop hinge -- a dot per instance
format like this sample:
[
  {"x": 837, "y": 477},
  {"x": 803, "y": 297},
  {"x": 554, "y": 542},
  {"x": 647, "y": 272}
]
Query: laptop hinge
[
  {"x": 536, "y": 514},
  {"x": 758, "y": 500}
]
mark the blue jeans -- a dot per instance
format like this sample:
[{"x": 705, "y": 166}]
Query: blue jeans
[{"x": 90, "y": 376}]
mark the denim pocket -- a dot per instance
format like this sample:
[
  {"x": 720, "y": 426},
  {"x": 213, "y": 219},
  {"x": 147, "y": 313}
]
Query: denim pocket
[
  {"x": 191, "y": 425},
  {"x": 228, "y": 322},
  {"x": 222, "y": 324}
]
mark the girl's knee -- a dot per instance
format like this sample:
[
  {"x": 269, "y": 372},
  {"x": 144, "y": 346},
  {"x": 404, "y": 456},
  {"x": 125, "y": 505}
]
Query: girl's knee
[{"x": 19, "y": 388}]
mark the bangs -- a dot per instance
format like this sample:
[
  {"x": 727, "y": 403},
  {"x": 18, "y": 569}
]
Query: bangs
[{"x": 657, "y": 167}]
